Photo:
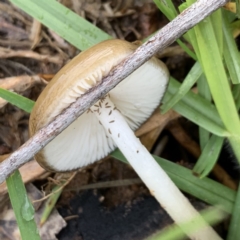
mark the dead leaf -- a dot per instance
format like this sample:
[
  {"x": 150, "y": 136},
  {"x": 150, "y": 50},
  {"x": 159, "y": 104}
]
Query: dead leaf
[
  {"x": 156, "y": 120},
  {"x": 30, "y": 171}
]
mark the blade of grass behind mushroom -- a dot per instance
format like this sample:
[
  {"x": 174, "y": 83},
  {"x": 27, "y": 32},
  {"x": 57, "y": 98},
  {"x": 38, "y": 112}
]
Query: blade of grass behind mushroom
[
  {"x": 236, "y": 95},
  {"x": 217, "y": 22},
  {"x": 209, "y": 156},
  {"x": 238, "y": 8},
  {"x": 204, "y": 91},
  {"x": 197, "y": 109},
  {"x": 230, "y": 51},
  {"x": 234, "y": 229},
  {"x": 206, "y": 189},
  {"x": 205, "y": 165},
  {"x": 168, "y": 9},
  {"x": 189, "y": 81}
]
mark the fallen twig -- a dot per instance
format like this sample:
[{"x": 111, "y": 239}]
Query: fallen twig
[{"x": 167, "y": 35}]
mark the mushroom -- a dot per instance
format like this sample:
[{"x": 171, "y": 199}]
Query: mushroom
[{"x": 110, "y": 122}]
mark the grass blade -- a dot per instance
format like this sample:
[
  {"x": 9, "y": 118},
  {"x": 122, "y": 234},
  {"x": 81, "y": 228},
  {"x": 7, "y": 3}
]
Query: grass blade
[
  {"x": 50, "y": 203},
  {"x": 17, "y": 100},
  {"x": 234, "y": 229},
  {"x": 236, "y": 95},
  {"x": 187, "y": 84},
  {"x": 187, "y": 49},
  {"x": 204, "y": 91},
  {"x": 217, "y": 22},
  {"x": 22, "y": 207},
  {"x": 196, "y": 109},
  {"x": 231, "y": 53},
  {"x": 167, "y": 8},
  {"x": 76, "y": 30},
  {"x": 205, "y": 189},
  {"x": 209, "y": 156},
  {"x": 238, "y": 8}
]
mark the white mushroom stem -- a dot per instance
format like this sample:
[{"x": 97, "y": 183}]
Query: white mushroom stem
[{"x": 155, "y": 178}]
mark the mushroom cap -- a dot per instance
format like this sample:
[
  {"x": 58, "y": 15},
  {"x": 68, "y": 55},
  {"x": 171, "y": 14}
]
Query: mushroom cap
[{"x": 86, "y": 140}]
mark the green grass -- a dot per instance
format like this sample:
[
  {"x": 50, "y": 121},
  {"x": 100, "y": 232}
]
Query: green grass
[
  {"x": 17, "y": 100},
  {"x": 22, "y": 207},
  {"x": 205, "y": 189}
]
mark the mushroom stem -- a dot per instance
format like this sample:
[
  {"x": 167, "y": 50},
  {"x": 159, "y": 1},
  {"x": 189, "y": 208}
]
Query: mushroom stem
[{"x": 155, "y": 178}]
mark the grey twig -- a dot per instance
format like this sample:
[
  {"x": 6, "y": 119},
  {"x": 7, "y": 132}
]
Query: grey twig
[{"x": 167, "y": 35}]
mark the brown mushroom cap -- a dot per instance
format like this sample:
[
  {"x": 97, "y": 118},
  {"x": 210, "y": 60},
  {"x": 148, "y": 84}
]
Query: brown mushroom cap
[{"x": 85, "y": 140}]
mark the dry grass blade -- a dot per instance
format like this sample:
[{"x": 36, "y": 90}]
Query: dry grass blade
[
  {"x": 19, "y": 84},
  {"x": 8, "y": 53},
  {"x": 29, "y": 173},
  {"x": 35, "y": 35}
]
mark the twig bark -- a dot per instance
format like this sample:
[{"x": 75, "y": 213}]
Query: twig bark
[{"x": 167, "y": 35}]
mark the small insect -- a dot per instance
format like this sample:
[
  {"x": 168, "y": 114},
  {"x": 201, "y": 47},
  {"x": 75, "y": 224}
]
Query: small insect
[
  {"x": 103, "y": 98},
  {"x": 110, "y": 112},
  {"x": 112, "y": 121},
  {"x": 89, "y": 110},
  {"x": 109, "y": 131}
]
